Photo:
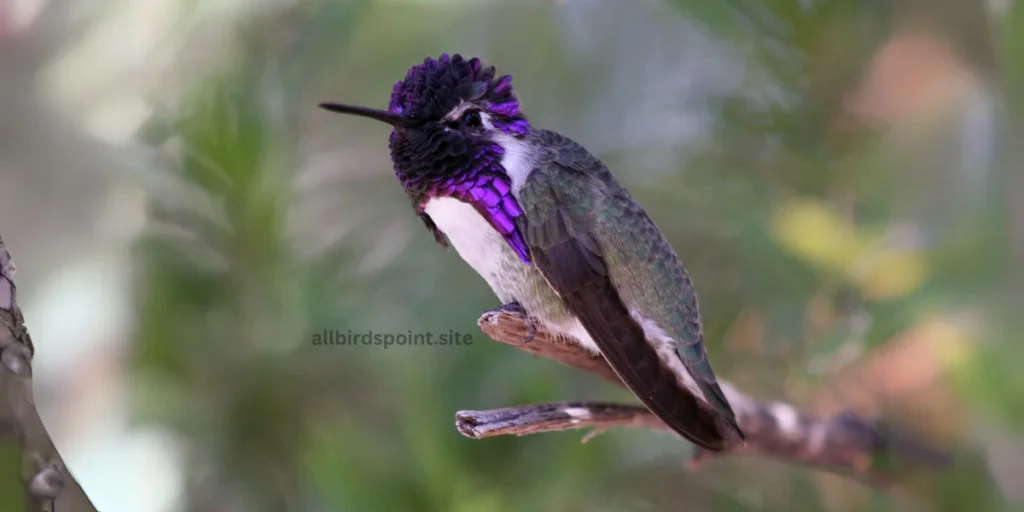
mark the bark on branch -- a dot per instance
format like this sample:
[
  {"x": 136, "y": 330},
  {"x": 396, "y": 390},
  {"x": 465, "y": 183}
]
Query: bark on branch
[
  {"x": 845, "y": 442},
  {"x": 49, "y": 485}
]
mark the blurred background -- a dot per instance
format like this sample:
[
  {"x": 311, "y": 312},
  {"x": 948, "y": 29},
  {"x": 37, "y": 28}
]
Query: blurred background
[{"x": 836, "y": 175}]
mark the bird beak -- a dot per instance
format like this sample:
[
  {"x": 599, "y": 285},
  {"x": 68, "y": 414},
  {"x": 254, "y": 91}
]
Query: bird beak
[{"x": 384, "y": 116}]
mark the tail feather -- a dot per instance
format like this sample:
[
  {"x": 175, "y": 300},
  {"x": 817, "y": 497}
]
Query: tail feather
[{"x": 636, "y": 362}]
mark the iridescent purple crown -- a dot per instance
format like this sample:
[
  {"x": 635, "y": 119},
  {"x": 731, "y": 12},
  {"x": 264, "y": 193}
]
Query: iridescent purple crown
[{"x": 432, "y": 89}]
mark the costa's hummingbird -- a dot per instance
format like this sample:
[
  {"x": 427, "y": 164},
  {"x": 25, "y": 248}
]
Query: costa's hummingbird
[{"x": 553, "y": 233}]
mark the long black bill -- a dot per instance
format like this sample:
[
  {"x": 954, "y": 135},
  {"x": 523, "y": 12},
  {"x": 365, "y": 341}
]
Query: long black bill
[{"x": 383, "y": 116}]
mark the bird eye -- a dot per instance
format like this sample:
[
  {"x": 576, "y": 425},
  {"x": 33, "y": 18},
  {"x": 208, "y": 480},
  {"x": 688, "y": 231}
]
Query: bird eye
[{"x": 471, "y": 118}]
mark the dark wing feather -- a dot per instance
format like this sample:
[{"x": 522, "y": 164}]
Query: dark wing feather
[
  {"x": 570, "y": 259},
  {"x": 438, "y": 235}
]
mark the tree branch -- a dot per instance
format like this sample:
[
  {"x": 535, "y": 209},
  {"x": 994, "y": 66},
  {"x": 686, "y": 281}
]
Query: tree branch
[
  {"x": 49, "y": 485},
  {"x": 845, "y": 442}
]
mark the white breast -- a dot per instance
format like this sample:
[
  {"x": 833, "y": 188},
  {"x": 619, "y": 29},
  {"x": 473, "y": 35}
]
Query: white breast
[{"x": 469, "y": 233}]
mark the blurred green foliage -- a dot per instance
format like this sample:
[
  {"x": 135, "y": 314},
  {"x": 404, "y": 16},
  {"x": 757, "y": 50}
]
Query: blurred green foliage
[{"x": 777, "y": 213}]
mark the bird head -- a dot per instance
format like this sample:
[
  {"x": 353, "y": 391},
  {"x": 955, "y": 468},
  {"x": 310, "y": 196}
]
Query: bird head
[{"x": 451, "y": 119}]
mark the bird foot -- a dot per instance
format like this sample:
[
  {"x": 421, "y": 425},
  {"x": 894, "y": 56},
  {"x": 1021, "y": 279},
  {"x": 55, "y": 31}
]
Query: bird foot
[{"x": 517, "y": 308}]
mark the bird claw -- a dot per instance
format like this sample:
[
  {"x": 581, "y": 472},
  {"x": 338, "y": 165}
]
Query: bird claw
[
  {"x": 531, "y": 330},
  {"x": 516, "y": 308},
  {"x": 511, "y": 307}
]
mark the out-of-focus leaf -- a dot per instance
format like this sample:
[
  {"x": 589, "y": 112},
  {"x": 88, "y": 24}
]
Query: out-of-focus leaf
[
  {"x": 811, "y": 230},
  {"x": 891, "y": 274}
]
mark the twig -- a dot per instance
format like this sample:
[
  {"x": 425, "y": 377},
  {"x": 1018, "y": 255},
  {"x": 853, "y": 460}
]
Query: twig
[
  {"x": 49, "y": 485},
  {"x": 844, "y": 442}
]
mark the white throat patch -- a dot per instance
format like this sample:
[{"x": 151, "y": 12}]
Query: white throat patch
[{"x": 517, "y": 160}]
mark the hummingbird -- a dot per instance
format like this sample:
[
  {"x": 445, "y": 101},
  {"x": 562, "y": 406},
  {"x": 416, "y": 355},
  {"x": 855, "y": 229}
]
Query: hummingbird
[{"x": 557, "y": 238}]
